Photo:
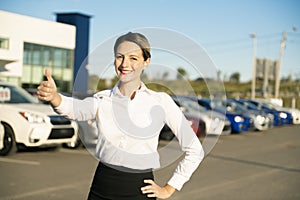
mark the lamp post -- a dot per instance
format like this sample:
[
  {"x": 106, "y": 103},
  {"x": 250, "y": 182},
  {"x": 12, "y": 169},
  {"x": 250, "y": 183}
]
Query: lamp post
[
  {"x": 277, "y": 78},
  {"x": 252, "y": 35}
]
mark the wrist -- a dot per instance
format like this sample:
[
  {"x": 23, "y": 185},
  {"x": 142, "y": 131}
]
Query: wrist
[
  {"x": 55, "y": 102},
  {"x": 170, "y": 189}
]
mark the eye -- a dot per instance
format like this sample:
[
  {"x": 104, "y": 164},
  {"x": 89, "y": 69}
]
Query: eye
[
  {"x": 119, "y": 57},
  {"x": 134, "y": 58}
]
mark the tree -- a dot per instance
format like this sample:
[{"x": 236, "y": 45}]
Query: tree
[
  {"x": 181, "y": 73},
  {"x": 219, "y": 72},
  {"x": 235, "y": 77},
  {"x": 288, "y": 78},
  {"x": 93, "y": 83},
  {"x": 165, "y": 75}
]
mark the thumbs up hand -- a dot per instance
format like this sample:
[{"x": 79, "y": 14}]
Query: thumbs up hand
[
  {"x": 47, "y": 90},
  {"x": 49, "y": 77}
]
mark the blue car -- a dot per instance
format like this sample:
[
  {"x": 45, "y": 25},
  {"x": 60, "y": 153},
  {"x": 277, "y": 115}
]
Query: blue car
[
  {"x": 262, "y": 121},
  {"x": 239, "y": 122},
  {"x": 280, "y": 117},
  {"x": 250, "y": 106}
]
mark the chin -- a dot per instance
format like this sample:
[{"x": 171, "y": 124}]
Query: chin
[{"x": 125, "y": 79}]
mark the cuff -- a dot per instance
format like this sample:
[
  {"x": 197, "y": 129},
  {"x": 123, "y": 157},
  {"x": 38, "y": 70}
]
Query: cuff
[
  {"x": 64, "y": 104},
  {"x": 177, "y": 181}
]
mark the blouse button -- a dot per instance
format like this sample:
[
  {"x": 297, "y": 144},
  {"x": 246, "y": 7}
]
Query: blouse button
[{"x": 122, "y": 143}]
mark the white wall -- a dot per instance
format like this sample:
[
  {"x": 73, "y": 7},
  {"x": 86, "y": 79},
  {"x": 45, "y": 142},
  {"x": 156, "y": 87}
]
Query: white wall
[{"x": 20, "y": 29}]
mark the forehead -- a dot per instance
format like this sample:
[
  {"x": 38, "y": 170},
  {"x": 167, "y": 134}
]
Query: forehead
[{"x": 129, "y": 48}]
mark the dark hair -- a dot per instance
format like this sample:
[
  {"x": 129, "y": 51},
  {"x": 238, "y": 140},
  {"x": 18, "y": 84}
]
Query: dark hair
[{"x": 138, "y": 39}]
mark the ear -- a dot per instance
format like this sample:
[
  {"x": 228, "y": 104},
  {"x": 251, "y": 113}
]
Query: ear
[{"x": 146, "y": 62}]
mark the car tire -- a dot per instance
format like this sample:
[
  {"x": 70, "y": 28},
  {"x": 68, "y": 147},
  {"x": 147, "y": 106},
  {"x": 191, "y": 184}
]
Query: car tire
[
  {"x": 166, "y": 135},
  {"x": 9, "y": 142},
  {"x": 201, "y": 129}
]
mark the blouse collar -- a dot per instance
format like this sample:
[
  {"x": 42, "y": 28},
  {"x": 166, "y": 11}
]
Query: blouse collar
[{"x": 115, "y": 90}]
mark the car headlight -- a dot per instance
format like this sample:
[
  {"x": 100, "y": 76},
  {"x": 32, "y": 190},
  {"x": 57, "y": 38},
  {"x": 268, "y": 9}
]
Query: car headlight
[
  {"x": 283, "y": 115},
  {"x": 260, "y": 118},
  {"x": 295, "y": 114},
  {"x": 216, "y": 119},
  {"x": 238, "y": 119},
  {"x": 31, "y": 117}
]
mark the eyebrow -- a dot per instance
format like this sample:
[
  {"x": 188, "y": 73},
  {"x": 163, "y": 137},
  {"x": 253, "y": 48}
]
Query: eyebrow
[{"x": 130, "y": 55}]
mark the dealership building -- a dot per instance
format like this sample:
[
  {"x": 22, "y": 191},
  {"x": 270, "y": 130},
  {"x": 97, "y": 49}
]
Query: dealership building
[{"x": 30, "y": 45}]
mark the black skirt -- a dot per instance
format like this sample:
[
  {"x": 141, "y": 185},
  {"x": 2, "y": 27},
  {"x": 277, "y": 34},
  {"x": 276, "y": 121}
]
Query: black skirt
[{"x": 111, "y": 183}]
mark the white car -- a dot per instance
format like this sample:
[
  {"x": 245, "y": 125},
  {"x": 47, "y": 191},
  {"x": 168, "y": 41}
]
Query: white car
[
  {"x": 29, "y": 123},
  {"x": 294, "y": 111},
  {"x": 1, "y": 135},
  {"x": 295, "y": 114},
  {"x": 215, "y": 123}
]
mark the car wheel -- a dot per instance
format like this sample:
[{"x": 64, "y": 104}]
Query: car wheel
[
  {"x": 201, "y": 129},
  {"x": 9, "y": 142},
  {"x": 166, "y": 135}
]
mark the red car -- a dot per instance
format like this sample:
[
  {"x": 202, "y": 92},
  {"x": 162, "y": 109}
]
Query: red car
[{"x": 197, "y": 124}]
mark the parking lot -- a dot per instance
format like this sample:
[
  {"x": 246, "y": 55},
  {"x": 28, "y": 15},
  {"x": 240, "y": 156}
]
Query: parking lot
[{"x": 252, "y": 165}]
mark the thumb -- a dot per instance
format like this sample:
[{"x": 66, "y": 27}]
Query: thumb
[{"x": 49, "y": 76}]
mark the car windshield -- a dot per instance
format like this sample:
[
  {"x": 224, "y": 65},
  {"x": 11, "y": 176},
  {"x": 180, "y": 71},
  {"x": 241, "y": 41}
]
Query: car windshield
[
  {"x": 216, "y": 106},
  {"x": 233, "y": 106},
  {"x": 249, "y": 105},
  {"x": 192, "y": 105},
  {"x": 272, "y": 106},
  {"x": 13, "y": 94}
]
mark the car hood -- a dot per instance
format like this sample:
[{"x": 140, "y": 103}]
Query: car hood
[
  {"x": 41, "y": 108},
  {"x": 286, "y": 109}
]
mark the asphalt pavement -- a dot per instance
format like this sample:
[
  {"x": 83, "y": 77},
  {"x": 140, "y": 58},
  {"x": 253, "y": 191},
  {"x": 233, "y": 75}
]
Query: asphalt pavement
[{"x": 253, "y": 165}]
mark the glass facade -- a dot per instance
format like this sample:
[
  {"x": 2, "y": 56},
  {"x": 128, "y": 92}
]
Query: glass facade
[{"x": 37, "y": 58}]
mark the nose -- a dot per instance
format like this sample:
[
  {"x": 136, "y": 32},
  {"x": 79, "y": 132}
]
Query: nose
[{"x": 125, "y": 62}]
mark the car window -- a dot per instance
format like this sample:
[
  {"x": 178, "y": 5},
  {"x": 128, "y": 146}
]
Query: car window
[
  {"x": 13, "y": 94},
  {"x": 192, "y": 105},
  {"x": 216, "y": 106},
  {"x": 250, "y": 105},
  {"x": 236, "y": 107}
]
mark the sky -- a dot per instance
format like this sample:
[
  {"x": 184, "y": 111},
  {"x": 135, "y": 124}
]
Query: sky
[{"x": 220, "y": 27}]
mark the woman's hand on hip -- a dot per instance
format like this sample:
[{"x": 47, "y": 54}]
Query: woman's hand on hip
[{"x": 154, "y": 190}]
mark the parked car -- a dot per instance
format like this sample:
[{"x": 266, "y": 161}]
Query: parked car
[
  {"x": 294, "y": 112},
  {"x": 239, "y": 122},
  {"x": 87, "y": 135},
  {"x": 216, "y": 123},
  {"x": 197, "y": 123},
  {"x": 250, "y": 106},
  {"x": 29, "y": 123},
  {"x": 87, "y": 130},
  {"x": 281, "y": 117},
  {"x": 1, "y": 136},
  {"x": 260, "y": 119}
]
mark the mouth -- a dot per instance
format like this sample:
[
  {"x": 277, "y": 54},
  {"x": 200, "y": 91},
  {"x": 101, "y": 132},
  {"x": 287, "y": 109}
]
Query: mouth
[{"x": 124, "y": 71}]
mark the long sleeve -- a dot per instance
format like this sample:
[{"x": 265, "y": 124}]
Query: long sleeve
[
  {"x": 188, "y": 141},
  {"x": 76, "y": 109}
]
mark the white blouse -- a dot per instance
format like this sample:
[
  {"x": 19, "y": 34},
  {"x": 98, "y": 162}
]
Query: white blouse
[{"x": 128, "y": 130}]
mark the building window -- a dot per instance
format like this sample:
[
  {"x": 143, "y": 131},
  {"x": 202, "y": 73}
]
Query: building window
[
  {"x": 36, "y": 56},
  {"x": 4, "y": 43},
  {"x": 39, "y": 57},
  {"x": 47, "y": 60}
]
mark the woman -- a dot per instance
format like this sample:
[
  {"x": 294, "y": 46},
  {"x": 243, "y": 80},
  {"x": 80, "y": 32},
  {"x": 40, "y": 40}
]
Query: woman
[{"x": 129, "y": 119}]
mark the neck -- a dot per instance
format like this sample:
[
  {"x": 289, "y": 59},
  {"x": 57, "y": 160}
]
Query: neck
[{"x": 129, "y": 88}]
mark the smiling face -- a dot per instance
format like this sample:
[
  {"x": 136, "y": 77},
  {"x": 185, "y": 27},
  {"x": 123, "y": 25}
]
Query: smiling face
[{"x": 129, "y": 62}]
